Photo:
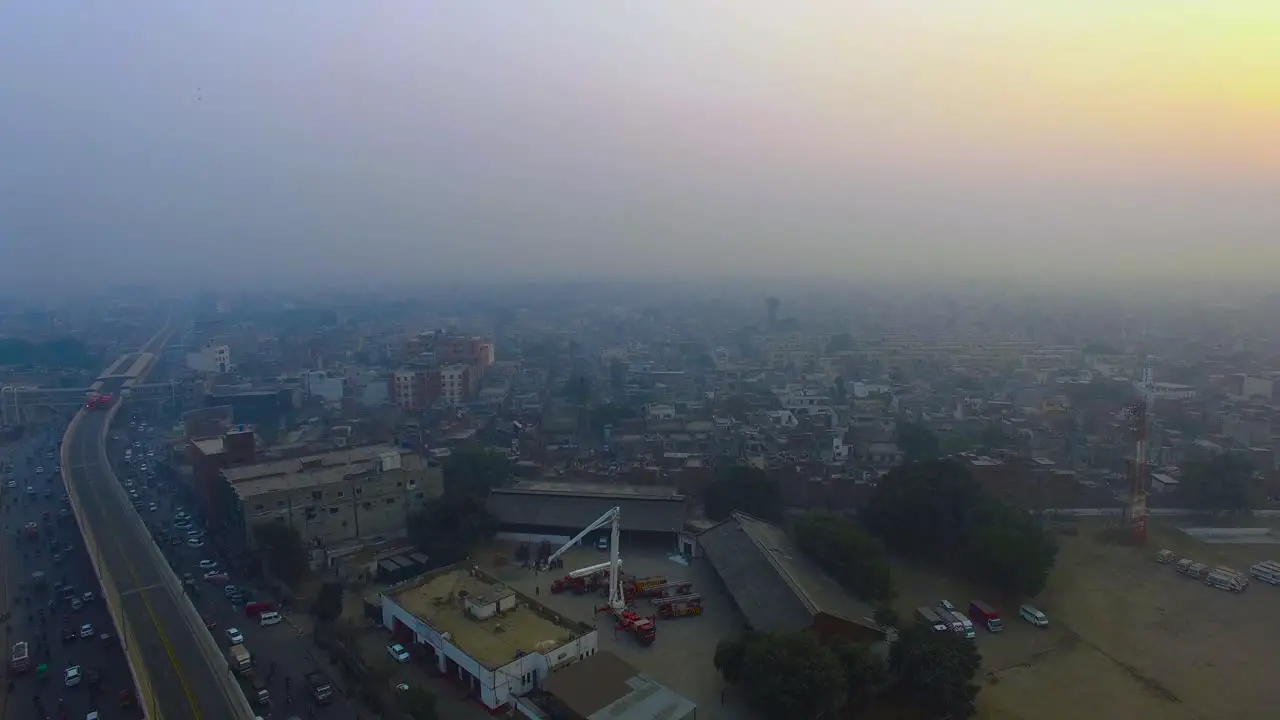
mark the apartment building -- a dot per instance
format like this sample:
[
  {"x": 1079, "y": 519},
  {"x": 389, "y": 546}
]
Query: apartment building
[{"x": 333, "y": 498}]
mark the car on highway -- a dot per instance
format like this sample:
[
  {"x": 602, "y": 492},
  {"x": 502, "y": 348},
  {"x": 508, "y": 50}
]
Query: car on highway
[
  {"x": 39, "y": 469},
  {"x": 398, "y": 653},
  {"x": 208, "y": 564},
  {"x": 68, "y": 635},
  {"x": 12, "y": 484},
  {"x": 210, "y": 575},
  {"x": 234, "y": 637},
  {"x": 71, "y": 676},
  {"x": 86, "y": 630},
  {"x": 87, "y": 596},
  {"x": 183, "y": 524},
  {"x": 195, "y": 543}
]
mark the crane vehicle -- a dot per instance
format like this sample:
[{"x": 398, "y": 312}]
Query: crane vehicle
[
  {"x": 584, "y": 580},
  {"x": 643, "y": 628}
]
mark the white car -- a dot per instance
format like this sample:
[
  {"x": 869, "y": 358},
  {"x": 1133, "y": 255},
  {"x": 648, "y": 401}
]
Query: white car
[
  {"x": 86, "y": 630},
  {"x": 92, "y": 716},
  {"x": 234, "y": 637},
  {"x": 946, "y": 605},
  {"x": 40, "y": 470},
  {"x": 13, "y": 483},
  {"x": 208, "y": 564},
  {"x": 195, "y": 543},
  {"x": 72, "y": 676},
  {"x": 87, "y": 596},
  {"x": 211, "y": 574},
  {"x": 398, "y": 653}
]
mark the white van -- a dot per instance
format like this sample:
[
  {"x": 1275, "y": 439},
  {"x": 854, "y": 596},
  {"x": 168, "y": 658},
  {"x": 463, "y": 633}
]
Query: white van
[
  {"x": 269, "y": 618},
  {"x": 1033, "y": 616}
]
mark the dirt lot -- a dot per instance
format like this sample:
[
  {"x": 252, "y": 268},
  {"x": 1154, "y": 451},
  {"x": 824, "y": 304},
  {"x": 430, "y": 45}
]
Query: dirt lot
[
  {"x": 1130, "y": 639},
  {"x": 681, "y": 658}
]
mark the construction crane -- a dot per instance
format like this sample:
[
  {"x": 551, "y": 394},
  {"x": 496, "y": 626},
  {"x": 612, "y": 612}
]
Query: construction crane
[{"x": 643, "y": 628}]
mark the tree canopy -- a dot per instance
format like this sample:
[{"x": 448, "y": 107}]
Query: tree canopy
[
  {"x": 327, "y": 606},
  {"x": 917, "y": 442},
  {"x": 745, "y": 489},
  {"x": 846, "y": 553},
  {"x": 471, "y": 472},
  {"x": 447, "y": 528},
  {"x": 784, "y": 675},
  {"x": 1221, "y": 483},
  {"x": 936, "y": 512},
  {"x": 283, "y": 549},
  {"x": 67, "y": 353},
  {"x": 936, "y": 670}
]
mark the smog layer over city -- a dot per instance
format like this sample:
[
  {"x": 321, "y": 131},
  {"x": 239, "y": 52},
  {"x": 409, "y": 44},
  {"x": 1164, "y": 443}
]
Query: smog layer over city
[{"x": 755, "y": 360}]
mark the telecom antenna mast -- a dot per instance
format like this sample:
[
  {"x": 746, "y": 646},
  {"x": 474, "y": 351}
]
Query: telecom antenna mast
[{"x": 1137, "y": 413}]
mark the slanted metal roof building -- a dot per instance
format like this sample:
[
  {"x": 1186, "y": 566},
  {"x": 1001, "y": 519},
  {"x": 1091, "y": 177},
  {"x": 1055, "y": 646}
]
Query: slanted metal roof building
[
  {"x": 776, "y": 587},
  {"x": 603, "y": 686},
  {"x": 571, "y": 506}
]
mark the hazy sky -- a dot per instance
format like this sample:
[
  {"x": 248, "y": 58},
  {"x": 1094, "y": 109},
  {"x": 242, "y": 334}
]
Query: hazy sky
[{"x": 383, "y": 139}]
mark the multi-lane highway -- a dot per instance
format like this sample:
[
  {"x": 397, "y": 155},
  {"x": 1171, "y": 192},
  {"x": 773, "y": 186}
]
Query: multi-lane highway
[{"x": 179, "y": 680}]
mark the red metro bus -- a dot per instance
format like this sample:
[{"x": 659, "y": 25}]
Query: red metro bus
[{"x": 96, "y": 401}]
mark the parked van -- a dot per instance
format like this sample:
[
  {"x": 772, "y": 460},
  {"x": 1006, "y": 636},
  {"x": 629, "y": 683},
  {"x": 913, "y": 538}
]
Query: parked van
[
  {"x": 257, "y": 607},
  {"x": 1268, "y": 571},
  {"x": 1164, "y": 557},
  {"x": 1033, "y": 616},
  {"x": 1227, "y": 579},
  {"x": 269, "y": 618}
]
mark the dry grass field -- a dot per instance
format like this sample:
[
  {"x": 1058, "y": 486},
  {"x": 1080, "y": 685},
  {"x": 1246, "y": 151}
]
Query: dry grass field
[{"x": 1130, "y": 639}]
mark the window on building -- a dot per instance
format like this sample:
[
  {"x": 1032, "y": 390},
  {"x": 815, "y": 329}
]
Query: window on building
[
  {"x": 341, "y": 493},
  {"x": 333, "y": 511},
  {"x": 413, "y": 484},
  {"x": 359, "y": 491}
]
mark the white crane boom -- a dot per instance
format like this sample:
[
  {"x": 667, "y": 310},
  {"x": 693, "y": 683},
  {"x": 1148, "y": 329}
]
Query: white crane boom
[{"x": 605, "y": 519}]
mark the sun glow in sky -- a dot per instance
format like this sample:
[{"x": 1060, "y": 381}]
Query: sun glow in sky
[{"x": 1066, "y": 137}]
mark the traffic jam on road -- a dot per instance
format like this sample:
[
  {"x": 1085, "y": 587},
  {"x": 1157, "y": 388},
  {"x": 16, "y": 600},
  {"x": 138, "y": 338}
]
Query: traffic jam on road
[
  {"x": 64, "y": 659},
  {"x": 271, "y": 660}
]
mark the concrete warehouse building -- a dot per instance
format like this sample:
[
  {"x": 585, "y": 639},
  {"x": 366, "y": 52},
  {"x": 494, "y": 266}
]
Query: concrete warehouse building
[
  {"x": 353, "y": 494},
  {"x": 497, "y": 643},
  {"x": 535, "y": 510},
  {"x": 777, "y": 588}
]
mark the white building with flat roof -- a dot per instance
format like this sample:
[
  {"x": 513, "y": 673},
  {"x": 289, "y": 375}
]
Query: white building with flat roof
[{"x": 499, "y": 643}]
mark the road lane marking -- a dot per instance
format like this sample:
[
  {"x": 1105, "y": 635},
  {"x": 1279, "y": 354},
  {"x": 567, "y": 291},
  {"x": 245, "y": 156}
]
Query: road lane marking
[
  {"x": 135, "y": 591},
  {"x": 93, "y": 448}
]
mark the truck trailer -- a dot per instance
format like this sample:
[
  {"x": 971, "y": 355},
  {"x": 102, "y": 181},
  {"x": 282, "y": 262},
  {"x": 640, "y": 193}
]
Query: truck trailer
[
  {"x": 985, "y": 615},
  {"x": 239, "y": 659},
  {"x": 321, "y": 688},
  {"x": 933, "y": 618}
]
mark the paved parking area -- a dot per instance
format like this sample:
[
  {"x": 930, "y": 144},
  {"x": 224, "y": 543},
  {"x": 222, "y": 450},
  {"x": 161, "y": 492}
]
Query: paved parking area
[{"x": 682, "y": 656}]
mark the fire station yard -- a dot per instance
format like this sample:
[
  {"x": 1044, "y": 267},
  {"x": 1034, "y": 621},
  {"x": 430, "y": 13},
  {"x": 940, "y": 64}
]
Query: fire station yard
[
  {"x": 1129, "y": 638},
  {"x": 493, "y": 642},
  {"x": 681, "y": 657}
]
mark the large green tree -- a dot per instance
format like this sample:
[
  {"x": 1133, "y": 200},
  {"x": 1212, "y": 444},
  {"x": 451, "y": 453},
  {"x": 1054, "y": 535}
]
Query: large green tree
[
  {"x": 937, "y": 513},
  {"x": 745, "y": 489},
  {"x": 784, "y": 675},
  {"x": 937, "y": 671},
  {"x": 447, "y": 528},
  {"x": 283, "y": 550},
  {"x": 917, "y": 442},
  {"x": 866, "y": 672},
  {"x": 1221, "y": 483},
  {"x": 847, "y": 553},
  {"x": 472, "y": 471}
]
